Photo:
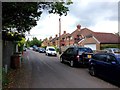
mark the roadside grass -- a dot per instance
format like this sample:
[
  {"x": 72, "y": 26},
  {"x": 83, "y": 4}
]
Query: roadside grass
[
  {"x": 0, "y": 74},
  {"x": 4, "y": 78},
  {"x": 0, "y": 78},
  {"x": 7, "y": 78}
]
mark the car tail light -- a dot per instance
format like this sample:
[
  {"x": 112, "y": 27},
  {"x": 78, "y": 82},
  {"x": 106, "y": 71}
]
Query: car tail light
[{"x": 78, "y": 57}]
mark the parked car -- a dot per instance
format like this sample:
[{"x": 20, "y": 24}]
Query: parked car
[
  {"x": 112, "y": 50},
  {"x": 35, "y": 48},
  {"x": 76, "y": 55},
  {"x": 30, "y": 48},
  {"x": 41, "y": 50},
  {"x": 106, "y": 65},
  {"x": 51, "y": 51}
]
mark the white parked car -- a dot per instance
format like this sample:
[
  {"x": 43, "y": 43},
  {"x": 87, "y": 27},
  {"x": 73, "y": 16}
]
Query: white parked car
[{"x": 51, "y": 51}]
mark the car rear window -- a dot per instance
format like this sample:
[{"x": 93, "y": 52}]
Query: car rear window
[
  {"x": 51, "y": 49},
  {"x": 88, "y": 50},
  {"x": 116, "y": 50},
  {"x": 42, "y": 48}
]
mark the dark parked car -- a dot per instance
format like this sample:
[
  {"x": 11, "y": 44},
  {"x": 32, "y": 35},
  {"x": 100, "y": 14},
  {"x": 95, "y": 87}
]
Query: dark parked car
[
  {"x": 41, "y": 50},
  {"x": 106, "y": 65},
  {"x": 35, "y": 48},
  {"x": 76, "y": 55}
]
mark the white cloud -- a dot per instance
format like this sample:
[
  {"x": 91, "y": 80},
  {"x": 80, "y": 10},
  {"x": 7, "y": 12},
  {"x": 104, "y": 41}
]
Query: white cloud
[
  {"x": 105, "y": 26},
  {"x": 49, "y": 26},
  {"x": 99, "y": 16}
]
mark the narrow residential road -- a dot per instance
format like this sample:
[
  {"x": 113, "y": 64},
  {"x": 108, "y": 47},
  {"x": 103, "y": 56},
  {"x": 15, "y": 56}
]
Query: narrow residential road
[{"x": 43, "y": 71}]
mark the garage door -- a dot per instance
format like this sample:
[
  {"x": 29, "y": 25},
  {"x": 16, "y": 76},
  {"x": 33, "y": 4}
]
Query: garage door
[{"x": 92, "y": 46}]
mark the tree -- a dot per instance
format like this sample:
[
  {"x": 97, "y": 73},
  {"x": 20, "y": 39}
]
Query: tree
[
  {"x": 22, "y": 16},
  {"x": 21, "y": 44},
  {"x": 33, "y": 42}
]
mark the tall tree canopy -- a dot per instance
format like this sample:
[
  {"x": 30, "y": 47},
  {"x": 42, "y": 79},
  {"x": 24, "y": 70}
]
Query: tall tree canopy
[
  {"x": 33, "y": 42},
  {"x": 22, "y": 16}
]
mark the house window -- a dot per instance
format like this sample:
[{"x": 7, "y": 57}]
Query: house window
[
  {"x": 67, "y": 38},
  {"x": 75, "y": 38},
  {"x": 63, "y": 44},
  {"x": 63, "y": 39}
]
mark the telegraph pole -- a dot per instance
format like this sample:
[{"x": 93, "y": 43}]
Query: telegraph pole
[{"x": 60, "y": 35}]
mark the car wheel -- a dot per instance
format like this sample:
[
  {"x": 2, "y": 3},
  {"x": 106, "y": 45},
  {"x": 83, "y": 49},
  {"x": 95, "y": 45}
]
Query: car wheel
[
  {"x": 72, "y": 64},
  {"x": 92, "y": 71},
  {"x": 47, "y": 54},
  {"x": 61, "y": 60}
]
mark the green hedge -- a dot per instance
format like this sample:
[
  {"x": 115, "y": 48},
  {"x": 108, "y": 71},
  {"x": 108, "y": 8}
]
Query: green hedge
[{"x": 110, "y": 46}]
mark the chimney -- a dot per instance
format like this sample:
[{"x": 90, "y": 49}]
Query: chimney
[
  {"x": 78, "y": 26},
  {"x": 64, "y": 32},
  {"x": 56, "y": 35},
  {"x": 50, "y": 38}
]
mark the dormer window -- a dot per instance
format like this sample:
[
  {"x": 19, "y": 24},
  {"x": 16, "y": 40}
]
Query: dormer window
[
  {"x": 67, "y": 38},
  {"x": 78, "y": 35},
  {"x": 63, "y": 38},
  {"x": 75, "y": 38}
]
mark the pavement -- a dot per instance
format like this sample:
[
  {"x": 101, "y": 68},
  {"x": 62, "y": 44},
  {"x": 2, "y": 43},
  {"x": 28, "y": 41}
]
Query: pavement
[
  {"x": 38, "y": 70},
  {"x": 17, "y": 77}
]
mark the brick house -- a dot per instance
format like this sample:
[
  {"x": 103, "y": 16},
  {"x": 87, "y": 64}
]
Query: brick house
[
  {"x": 47, "y": 42},
  {"x": 55, "y": 41},
  {"x": 84, "y": 37},
  {"x": 63, "y": 41},
  {"x": 98, "y": 39},
  {"x": 77, "y": 35}
]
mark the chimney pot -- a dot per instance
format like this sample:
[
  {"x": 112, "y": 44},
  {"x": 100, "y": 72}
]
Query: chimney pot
[
  {"x": 50, "y": 38},
  {"x": 78, "y": 26},
  {"x": 56, "y": 35},
  {"x": 64, "y": 32}
]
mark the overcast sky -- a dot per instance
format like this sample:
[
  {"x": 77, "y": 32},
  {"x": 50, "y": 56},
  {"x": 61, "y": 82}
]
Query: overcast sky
[{"x": 96, "y": 15}]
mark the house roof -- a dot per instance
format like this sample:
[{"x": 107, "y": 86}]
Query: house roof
[
  {"x": 54, "y": 39},
  {"x": 84, "y": 32},
  {"x": 106, "y": 37},
  {"x": 65, "y": 35}
]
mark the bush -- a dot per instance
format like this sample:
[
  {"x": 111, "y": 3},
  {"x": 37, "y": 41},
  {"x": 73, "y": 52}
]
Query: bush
[
  {"x": 44, "y": 47},
  {"x": 109, "y": 46}
]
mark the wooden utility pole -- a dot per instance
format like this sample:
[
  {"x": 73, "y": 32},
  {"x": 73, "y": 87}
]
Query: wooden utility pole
[{"x": 60, "y": 35}]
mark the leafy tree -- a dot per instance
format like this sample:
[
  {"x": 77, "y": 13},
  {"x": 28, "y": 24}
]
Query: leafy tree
[
  {"x": 22, "y": 16},
  {"x": 21, "y": 44},
  {"x": 33, "y": 42}
]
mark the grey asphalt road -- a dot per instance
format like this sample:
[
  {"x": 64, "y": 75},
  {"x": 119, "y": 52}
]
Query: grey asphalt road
[{"x": 47, "y": 72}]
